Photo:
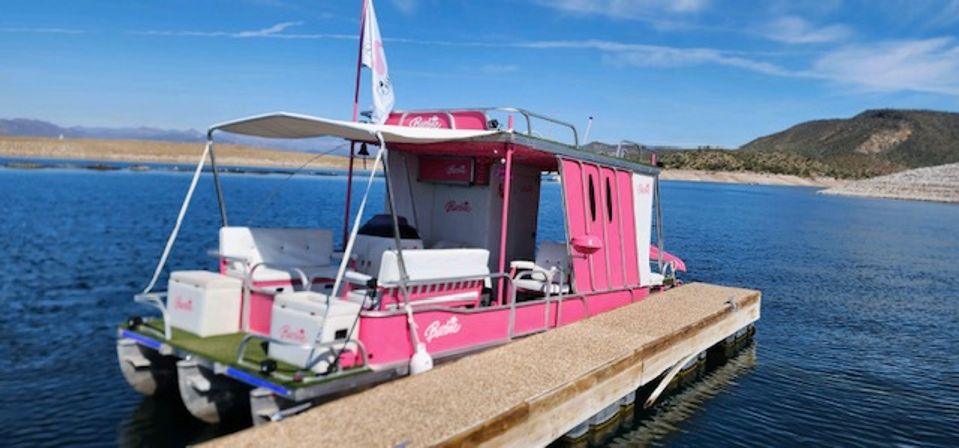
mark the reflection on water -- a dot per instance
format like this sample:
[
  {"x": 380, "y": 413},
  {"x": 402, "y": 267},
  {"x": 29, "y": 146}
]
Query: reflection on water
[
  {"x": 654, "y": 425},
  {"x": 163, "y": 421}
]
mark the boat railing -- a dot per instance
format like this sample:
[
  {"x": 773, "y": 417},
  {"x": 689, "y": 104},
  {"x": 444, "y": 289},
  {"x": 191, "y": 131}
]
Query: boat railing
[
  {"x": 156, "y": 300},
  {"x": 337, "y": 347},
  {"x": 528, "y": 116},
  {"x": 248, "y": 270}
]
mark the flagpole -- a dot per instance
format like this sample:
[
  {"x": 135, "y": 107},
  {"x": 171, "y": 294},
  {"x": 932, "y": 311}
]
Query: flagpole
[
  {"x": 359, "y": 62},
  {"x": 356, "y": 113}
]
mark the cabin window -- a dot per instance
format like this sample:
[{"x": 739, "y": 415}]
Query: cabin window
[
  {"x": 592, "y": 199},
  {"x": 609, "y": 200}
]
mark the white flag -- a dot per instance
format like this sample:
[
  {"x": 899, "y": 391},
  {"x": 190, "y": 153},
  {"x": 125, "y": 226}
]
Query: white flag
[{"x": 375, "y": 58}]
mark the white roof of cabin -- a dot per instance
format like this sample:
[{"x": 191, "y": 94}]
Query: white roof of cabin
[{"x": 288, "y": 125}]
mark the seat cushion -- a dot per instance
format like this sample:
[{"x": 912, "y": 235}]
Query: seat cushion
[
  {"x": 655, "y": 279},
  {"x": 368, "y": 251},
  {"x": 551, "y": 254},
  {"x": 540, "y": 286},
  {"x": 267, "y": 274},
  {"x": 427, "y": 264},
  {"x": 308, "y": 249}
]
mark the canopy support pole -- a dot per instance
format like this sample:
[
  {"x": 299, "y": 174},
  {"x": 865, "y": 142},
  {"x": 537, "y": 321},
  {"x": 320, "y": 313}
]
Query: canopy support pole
[
  {"x": 179, "y": 218},
  {"x": 349, "y": 194},
  {"x": 216, "y": 181},
  {"x": 504, "y": 221},
  {"x": 348, "y": 248},
  {"x": 421, "y": 360},
  {"x": 659, "y": 223}
]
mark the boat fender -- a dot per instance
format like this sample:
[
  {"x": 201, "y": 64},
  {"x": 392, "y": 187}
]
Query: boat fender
[{"x": 421, "y": 360}]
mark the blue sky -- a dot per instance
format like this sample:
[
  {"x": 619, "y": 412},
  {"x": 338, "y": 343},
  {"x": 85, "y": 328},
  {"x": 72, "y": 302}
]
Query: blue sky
[{"x": 663, "y": 72}]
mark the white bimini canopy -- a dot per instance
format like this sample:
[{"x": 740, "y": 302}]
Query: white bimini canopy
[{"x": 287, "y": 125}]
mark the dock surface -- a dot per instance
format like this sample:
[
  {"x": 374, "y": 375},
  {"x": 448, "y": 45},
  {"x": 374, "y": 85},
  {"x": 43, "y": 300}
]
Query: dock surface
[{"x": 531, "y": 391}]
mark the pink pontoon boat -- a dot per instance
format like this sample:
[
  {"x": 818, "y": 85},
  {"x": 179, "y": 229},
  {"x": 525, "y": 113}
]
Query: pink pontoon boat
[{"x": 451, "y": 266}]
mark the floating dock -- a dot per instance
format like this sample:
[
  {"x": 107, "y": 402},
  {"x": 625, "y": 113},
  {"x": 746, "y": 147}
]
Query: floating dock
[{"x": 531, "y": 391}]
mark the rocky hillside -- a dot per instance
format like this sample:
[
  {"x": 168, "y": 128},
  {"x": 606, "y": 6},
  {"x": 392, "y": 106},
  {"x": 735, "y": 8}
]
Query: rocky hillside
[
  {"x": 872, "y": 143},
  {"x": 937, "y": 183}
]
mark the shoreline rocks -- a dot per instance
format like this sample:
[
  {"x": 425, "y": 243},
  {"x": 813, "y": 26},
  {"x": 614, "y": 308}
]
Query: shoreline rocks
[{"x": 936, "y": 183}]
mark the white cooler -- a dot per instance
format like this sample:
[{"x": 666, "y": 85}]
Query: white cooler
[
  {"x": 298, "y": 319},
  {"x": 204, "y": 303}
]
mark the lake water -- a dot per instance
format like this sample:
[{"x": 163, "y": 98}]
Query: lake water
[{"x": 858, "y": 343}]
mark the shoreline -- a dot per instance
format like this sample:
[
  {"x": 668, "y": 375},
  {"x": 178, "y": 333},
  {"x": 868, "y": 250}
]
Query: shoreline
[
  {"x": 93, "y": 154},
  {"x": 929, "y": 184},
  {"x": 157, "y": 152},
  {"x": 750, "y": 178}
]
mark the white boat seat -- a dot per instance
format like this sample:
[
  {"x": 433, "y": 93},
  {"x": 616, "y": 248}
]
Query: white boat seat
[
  {"x": 655, "y": 279},
  {"x": 271, "y": 254},
  {"x": 544, "y": 287},
  {"x": 549, "y": 274},
  {"x": 423, "y": 265},
  {"x": 368, "y": 251}
]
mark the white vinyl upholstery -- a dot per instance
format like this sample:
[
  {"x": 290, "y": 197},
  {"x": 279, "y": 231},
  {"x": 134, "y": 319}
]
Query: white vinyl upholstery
[
  {"x": 550, "y": 271},
  {"x": 430, "y": 264},
  {"x": 274, "y": 248},
  {"x": 368, "y": 251},
  {"x": 425, "y": 264},
  {"x": 528, "y": 284},
  {"x": 655, "y": 279}
]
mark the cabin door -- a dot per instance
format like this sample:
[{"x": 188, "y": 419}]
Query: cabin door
[{"x": 600, "y": 226}]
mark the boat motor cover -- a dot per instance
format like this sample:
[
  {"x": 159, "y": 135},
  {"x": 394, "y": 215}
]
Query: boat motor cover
[{"x": 382, "y": 226}]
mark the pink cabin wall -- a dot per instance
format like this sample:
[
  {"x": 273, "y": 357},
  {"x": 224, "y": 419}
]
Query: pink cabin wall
[
  {"x": 595, "y": 209},
  {"x": 572, "y": 183},
  {"x": 627, "y": 217},
  {"x": 612, "y": 228},
  {"x": 604, "y": 245}
]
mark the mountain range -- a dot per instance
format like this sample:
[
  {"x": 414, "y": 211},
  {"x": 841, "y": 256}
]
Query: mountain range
[
  {"x": 881, "y": 139},
  {"x": 27, "y": 127},
  {"x": 872, "y": 143}
]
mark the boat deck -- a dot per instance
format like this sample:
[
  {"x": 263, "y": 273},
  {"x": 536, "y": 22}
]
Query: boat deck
[
  {"x": 529, "y": 392},
  {"x": 223, "y": 350}
]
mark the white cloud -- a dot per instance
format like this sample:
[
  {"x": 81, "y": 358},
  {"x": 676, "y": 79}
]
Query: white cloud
[
  {"x": 926, "y": 65},
  {"x": 498, "y": 69},
  {"x": 642, "y": 55},
  {"x": 947, "y": 14},
  {"x": 406, "y": 6},
  {"x": 795, "y": 30},
  {"x": 275, "y": 29},
  {"x": 929, "y": 65},
  {"x": 627, "y": 9},
  {"x": 271, "y": 32}
]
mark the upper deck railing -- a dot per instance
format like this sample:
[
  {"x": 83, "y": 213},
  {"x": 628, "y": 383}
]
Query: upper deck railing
[{"x": 400, "y": 118}]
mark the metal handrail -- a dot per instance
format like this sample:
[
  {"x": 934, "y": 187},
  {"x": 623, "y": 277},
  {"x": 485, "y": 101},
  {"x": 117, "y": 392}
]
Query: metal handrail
[
  {"x": 241, "y": 352},
  {"x": 155, "y": 299},
  {"x": 527, "y": 114},
  {"x": 464, "y": 278}
]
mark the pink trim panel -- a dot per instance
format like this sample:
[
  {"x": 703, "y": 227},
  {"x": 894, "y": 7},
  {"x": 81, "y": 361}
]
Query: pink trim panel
[
  {"x": 627, "y": 216},
  {"x": 387, "y": 341}
]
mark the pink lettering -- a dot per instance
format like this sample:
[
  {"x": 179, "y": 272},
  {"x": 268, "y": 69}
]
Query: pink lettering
[
  {"x": 182, "y": 304},
  {"x": 288, "y": 334},
  {"x": 453, "y": 206},
  {"x": 454, "y": 170}
]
